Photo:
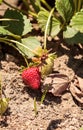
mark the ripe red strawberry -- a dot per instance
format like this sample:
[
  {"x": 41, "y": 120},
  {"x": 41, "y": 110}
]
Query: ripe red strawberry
[{"x": 32, "y": 77}]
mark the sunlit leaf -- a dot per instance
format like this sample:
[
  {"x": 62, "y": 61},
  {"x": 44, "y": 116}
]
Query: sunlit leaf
[
  {"x": 81, "y": 128},
  {"x": 54, "y": 24},
  {"x": 65, "y": 9},
  {"x": 72, "y": 36},
  {"x": 77, "y": 21},
  {"x": 20, "y": 27},
  {"x": 3, "y": 31},
  {"x": 31, "y": 44}
]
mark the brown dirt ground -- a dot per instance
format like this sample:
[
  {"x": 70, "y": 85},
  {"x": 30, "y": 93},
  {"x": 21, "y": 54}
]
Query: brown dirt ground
[{"x": 56, "y": 113}]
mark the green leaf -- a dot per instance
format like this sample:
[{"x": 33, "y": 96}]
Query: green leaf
[
  {"x": 20, "y": 27},
  {"x": 1, "y": 1},
  {"x": 31, "y": 44},
  {"x": 3, "y": 105},
  {"x": 54, "y": 24},
  {"x": 65, "y": 9},
  {"x": 4, "y": 32},
  {"x": 72, "y": 36},
  {"x": 81, "y": 128},
  {"x": 47, "y": 68},
  {"x": 77, "y": 21}
]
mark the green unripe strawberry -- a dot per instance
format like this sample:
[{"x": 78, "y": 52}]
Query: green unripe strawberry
[{"x": 48, "y": 66}]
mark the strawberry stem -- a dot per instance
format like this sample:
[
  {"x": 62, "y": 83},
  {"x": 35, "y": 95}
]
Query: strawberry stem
[
  {"x": 47, "y": 25},
  {"x": 46, "y": 4},
  {"x": 35, "y": 106},
  {"x": 44, "y": 95}
]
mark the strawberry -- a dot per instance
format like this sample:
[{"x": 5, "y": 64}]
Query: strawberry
[{"x": 32, "y": 77}]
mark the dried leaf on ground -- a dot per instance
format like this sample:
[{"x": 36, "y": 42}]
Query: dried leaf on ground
[
  {"x": 80, "y": 83},
  {"x": 76, "y": 89},
  {"x": 57, "y": 83}
]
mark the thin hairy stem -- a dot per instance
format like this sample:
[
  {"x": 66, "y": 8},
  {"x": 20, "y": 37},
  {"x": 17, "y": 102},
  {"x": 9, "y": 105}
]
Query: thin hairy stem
[{"x": 47, "y": 24}]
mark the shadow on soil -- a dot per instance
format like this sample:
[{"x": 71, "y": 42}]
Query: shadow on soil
[
  {"x": 3, "y": 121},
  {"x": 72, "y": 52},
  {"x": 38, "y": 94},
  {"x": 54, "y": 124},
  {"x": 75, "y": 57}
]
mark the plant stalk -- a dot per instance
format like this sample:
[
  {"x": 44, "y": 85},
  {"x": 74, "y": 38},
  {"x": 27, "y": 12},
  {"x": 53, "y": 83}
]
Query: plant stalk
[
  {"x": 44, "y": 95},
  {"x": 79, "y": 4},
  {"x": 29, "y": 9},
  {"x": 46, "y": 4},
  {"x": 33, "y": 14},
  {"x": 8, "y": 19},
  {"x": 47, "y": 24},
  {"x": 35, "y": 106},
  {"x": 25, "y": 2},
  {"x": 75, "y": 4}
]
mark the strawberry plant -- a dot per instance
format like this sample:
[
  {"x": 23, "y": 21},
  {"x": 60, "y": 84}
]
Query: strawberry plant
[
  {"x": 66, "y": 20},
  {"x": 14, "y": 28}
]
